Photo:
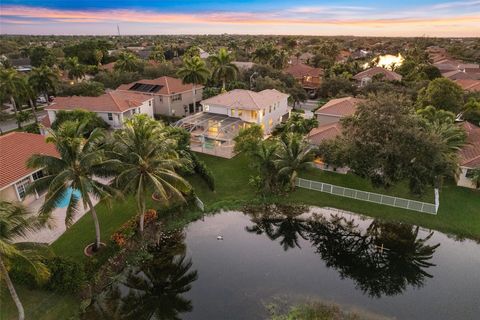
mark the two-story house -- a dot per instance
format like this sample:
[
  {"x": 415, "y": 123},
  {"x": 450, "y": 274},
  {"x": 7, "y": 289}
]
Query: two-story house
[
  {"x": 308, "y": 77},
  {"x": 114, "y": 107},
  {"x": 214, "y": 129},
  {"x": 171, "y": 96}
]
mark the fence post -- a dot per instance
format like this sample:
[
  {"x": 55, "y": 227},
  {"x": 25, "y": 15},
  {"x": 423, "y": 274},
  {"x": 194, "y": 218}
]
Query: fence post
[
  {"x": 310, "y": 184},
  {"x": 381, "y": 198}
]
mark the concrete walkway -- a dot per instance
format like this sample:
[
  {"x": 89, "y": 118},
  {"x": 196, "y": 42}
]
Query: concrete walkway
[{"x": 49, "y": 235}]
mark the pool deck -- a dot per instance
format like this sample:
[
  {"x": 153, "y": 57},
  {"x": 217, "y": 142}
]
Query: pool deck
[{"x": 57, "y": 223}]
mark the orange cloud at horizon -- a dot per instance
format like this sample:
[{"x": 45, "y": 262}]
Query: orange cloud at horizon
[{"x": 466, "y": 24}]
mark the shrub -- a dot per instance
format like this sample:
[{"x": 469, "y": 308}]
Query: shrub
[
  {"x": 66, "y": 275},
  {"x": 203, "y": 171}
]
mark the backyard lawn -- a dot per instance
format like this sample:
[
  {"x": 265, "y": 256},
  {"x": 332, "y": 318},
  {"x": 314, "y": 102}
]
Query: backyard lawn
[{"x": 459, "y": 214}]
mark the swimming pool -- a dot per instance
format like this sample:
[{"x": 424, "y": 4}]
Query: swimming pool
[{"x": 66, "y": 198}]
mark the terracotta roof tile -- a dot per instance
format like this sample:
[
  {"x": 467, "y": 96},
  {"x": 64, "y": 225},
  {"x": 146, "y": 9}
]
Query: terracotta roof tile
[
  {"x": 470, "y": 153},
  {"x": 469, "y": 85},
  {"x": 325, "y": 132},
  {"x": 300, "y": 70},
  {"x": 15, "y": 149},
  {"x": 168, "y": 85},
  {"x": 113, "y": 101},
  {"x": 341, "y": 107},
  {"x": 369, "y": 73}
]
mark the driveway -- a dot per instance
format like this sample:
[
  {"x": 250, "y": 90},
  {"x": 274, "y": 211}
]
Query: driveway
[{"x": 11, "y": 124}]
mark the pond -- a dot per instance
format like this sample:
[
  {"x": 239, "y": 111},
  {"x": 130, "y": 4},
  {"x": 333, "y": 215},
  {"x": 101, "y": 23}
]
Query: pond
[{"x": 232, "y": 264}]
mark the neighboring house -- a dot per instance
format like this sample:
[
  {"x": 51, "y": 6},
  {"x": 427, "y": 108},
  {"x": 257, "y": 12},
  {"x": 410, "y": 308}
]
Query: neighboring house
[
  {"x": 469, "y": 155},
  {"x": 335, "y": 109},
  {"x": 462, "y": 74},
  {"x": 366, "y": 76},
  {"x": 171, "y": 96},
  {"x": 114, "y": 107},
  {"x": 309, "y": 77},
  {"x": 469, "y": 85},
  {"x": 15, "y": 149},
  {"x": 214, "y": 129},
  {"x": 322, "y": 133},
  {"x": 304, "y": 58}
]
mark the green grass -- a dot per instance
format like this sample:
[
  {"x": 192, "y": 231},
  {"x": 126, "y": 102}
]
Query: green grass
[
  {"x": 38, "y": 304},
  {"x": 459, "y": 214}
]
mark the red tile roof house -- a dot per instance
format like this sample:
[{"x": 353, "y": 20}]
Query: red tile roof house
[
  {"x": 114, "y": 107},
  {"x": 335, "y": 109},
  {"x": 15, "y": 149},
  {"x": 366, "y": 76},
  {"x": 469, "y": 85},
  {"x": 309, "y": 77},
  {"x": 469, "y": 155},
  {"x": 171, "y": 96}
]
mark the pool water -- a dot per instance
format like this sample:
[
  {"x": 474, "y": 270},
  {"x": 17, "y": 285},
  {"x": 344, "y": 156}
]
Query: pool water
[{"x": 66, "y": 198}]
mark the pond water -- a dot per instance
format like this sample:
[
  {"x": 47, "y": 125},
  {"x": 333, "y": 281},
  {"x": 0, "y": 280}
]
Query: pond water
[{"x": 396, "y": 270}]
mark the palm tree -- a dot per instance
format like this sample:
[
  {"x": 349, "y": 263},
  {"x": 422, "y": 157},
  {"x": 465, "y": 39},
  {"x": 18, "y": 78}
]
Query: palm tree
[
  {"x": 264, "y": 159},
  {"x": 279, "y": 59},
  {"x": 441, "y": 124},
  {"x": 147, "y": 162},
  {"x": 11, "y": 86},
  {"x": 81, "y": 160},
  {"x": 75, "y": 69},
  {"x": 43, "y": 80},
  {"x": 127, "y": 62},
  {"x": 224, "y": 69},
  {"x": 30, "y": 95},
  {"x": 294, "y": 154},
  {"x": 16, "y": 221},
  {"x": 194, "y": 71}
]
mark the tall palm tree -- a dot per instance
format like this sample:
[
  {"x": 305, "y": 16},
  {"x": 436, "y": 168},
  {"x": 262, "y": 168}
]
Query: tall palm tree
[
  {"x": 195, "y": 72},
  {"x": 264, "y": 159},
  {"x": 75, "y": 69},
  {"x": 11, "y": 86},
  {"x": 223, "y": 68},
  {"x": 293, "y": 155},
  {"x": 147, "y": 162},
  {"x": 43, "y": 80},
  {"x": 81, "y": 160},
  {"x": 30, "y": 95},
  {"x": 16, "y": 221},
  {"x": 127, "y": 62}
]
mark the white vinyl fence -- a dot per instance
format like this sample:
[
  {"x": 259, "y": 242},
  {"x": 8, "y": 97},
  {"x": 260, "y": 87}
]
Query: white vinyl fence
[{"x": 367, "y": 196}]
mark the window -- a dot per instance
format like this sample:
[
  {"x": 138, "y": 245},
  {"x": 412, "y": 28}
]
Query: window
[
  {"x": 232, "y": 112},
  {"x": 150, "y": 103},
  {"x": 253, "y": 114},
  {"x": 269, "y": 109},
  {"x": 270, "y": 123},
  {"x": 160, "y": 98},
  {"x": 37, "y": 175},
  {"x": 177, "y": 97},
  {"x": 263, "y": 112},
  {"x": 240, "y": 113},
  {"x": 22, "y": 187},
  {"x": 110, "y": 116}
]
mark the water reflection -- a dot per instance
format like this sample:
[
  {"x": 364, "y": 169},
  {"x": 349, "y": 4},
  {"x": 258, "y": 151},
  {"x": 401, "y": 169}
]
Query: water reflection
[
  {"x": 382, "y": 258},
  {"x": 152, "y": 290}
]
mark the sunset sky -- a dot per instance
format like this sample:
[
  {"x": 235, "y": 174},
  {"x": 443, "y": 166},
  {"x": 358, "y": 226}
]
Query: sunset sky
[{"x": 347, "y": 17}]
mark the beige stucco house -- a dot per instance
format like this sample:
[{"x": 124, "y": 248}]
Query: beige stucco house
[
  {"x": 170, "y": 96},
  {"x": 336, "y": 109},
  {"x": 15, "y": 149}
]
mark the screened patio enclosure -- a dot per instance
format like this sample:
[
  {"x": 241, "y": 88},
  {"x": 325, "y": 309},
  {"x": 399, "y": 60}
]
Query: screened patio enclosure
[{"x": 212, "y": 133}]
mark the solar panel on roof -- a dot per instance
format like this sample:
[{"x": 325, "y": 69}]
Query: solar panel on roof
[{"x": 143, "y": 87}]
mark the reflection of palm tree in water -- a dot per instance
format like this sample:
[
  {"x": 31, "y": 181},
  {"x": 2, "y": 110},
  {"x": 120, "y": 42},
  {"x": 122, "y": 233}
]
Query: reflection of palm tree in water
[
  {"x": 383, "y": 260},
  {"x": 151, "y": 291},
  {"x": 280, "y": 224}
]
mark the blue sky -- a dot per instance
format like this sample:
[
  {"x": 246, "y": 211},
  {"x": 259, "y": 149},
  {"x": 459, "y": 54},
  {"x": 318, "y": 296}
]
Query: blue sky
[{"x": 347, "y": 17}]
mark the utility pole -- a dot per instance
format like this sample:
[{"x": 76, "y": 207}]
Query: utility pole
[{"x": 118, "y": 30}]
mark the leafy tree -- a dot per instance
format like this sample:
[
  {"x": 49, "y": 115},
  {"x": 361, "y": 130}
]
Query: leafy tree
[
  {"x": 192, "y": 52},
  {"x": 223, "y": 68},
  {"x": 157, "y": 54},
  {"x": 42, "y": 56},
  {"x": 91, "y": 120},
  {"x": 279, "y": 60},
  {"x": 336, "y": 86},
  {"x": 265, "y": 53},
  {"x": 474, "y": 176},
  {"x": 248, "y": 139},
  {"x": 11, "y": 87},
  {"x": 84, "y": 88},
  {"x": 81, "y": 160},
  {"x": 16, "y": 221},
  {"x": 443, "y": 94},
  {"x": 293, "y": 155},
  {"x": 127, "y": 62},
  {"x": 43, "y": 80},
  {"x": 296, "y": 124},
  {"x": 471, "y": 111},
  {"x": 297, "y": 94},
  {"x": 145, "y": 165},
  {"x": 75, "y": 70},
  {"x": 90, "y": 52},
  {"x": 195, "y": 72}
]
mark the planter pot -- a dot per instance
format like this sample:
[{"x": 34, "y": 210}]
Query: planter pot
[{"x": 88, "y": 251}]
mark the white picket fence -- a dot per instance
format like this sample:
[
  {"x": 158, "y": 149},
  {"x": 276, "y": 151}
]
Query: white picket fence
[{"x": 367, "y": 196}]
